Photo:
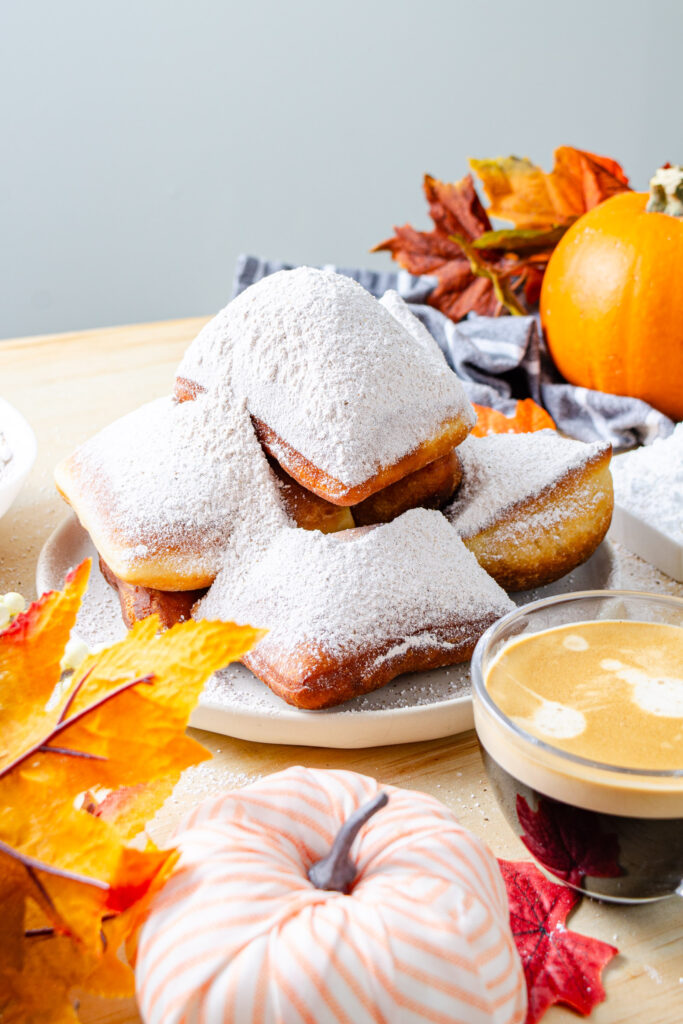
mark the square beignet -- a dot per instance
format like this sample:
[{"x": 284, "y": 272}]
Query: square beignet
[
  {"x": 532, "y": 507},
  {"x": 348, "y": 612},
  {"x": 341, "y": 393},
  {"x": 163, "y": 490}
]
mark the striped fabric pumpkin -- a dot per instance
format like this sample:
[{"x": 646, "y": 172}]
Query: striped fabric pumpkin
[{"x": 239, "y": 934}]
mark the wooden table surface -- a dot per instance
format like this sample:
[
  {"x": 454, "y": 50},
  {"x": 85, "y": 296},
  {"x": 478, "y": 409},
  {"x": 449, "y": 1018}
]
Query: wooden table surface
[{"x": 70, "y": 385}]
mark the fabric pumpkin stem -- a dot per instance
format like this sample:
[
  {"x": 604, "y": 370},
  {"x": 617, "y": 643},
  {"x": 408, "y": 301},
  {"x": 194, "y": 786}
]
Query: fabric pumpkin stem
[{"x": 337, "y": 871}]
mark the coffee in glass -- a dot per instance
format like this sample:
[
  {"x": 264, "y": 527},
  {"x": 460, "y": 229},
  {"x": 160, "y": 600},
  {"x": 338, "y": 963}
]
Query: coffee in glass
[{"x": 578, "y": 706}]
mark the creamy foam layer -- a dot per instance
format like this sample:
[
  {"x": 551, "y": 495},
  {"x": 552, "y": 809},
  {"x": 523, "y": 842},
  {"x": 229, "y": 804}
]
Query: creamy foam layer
[{"x": 609, "y": 692}]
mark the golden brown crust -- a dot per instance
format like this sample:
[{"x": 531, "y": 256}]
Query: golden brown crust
[
  {"x": 450, "y": 434},
  {"x": 428, "y": 487},
  {"x": 312, "y": 679},
  {"x": 173, "y": 567},
  {"x": 308, "y": 510},
  {"x": 318, "y": 482},
  {"x": 141, "y": 602},
  {"x": 545, "y": 537}
]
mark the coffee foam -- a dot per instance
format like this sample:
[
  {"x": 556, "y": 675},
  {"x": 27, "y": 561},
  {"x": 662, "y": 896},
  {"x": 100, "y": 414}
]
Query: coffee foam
[
  {"x": 627, "y": 715},
  {"x": 657, "y": 695}
]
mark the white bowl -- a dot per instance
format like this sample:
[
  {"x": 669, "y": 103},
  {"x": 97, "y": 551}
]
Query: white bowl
[{"x": 23, "y": 445}]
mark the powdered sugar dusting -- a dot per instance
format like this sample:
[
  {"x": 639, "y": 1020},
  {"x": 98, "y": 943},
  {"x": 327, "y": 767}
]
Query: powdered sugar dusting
[
  {"x": 207, "y": 360},
  {"x": 347, "y": 592},
  {"x": 401, "y": 312},
  {"x": 503, "y": 470},
  {"x": 329, "y": 369},
  {"x": 179, "y": 478},
  {"x": 649, "y": 483}
]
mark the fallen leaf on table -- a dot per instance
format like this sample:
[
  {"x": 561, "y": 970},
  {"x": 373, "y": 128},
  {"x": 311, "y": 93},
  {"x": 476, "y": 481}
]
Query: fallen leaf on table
[
  {"x": 67, "y": 875},
  {"x": 488, "y": 271},
  {"x": 560, "y": 966},
  {"x": 528, "y": 417},
  {"x": 567, "y": 842}
]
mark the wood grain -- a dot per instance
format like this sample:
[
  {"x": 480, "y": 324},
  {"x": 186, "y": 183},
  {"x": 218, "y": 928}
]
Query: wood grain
[{"x": 69, "y": 386}]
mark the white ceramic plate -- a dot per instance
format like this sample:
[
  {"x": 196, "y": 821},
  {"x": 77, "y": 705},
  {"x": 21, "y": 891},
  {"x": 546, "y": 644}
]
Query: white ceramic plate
[
  {"x": 22, "y": 444},
  {"x": 418, "y": 706}
]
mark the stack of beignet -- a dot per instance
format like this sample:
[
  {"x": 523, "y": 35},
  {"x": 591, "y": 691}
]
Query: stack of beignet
[{"x": 306, "y": 408}]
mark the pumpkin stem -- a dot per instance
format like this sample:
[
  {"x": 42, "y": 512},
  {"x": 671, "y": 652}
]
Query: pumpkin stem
[
  {"x": 666, "y": 192},
  {"x": 336, "y": 871}
]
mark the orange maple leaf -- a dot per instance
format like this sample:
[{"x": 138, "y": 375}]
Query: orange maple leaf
[
  {"x": 528, "y": 416},
  {"x": 119, "y": 723},
  {"x": 523, "y": 193}
]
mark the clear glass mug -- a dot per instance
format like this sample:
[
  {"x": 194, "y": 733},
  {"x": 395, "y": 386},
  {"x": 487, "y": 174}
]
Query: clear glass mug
[{"x": 611, "y": 832}]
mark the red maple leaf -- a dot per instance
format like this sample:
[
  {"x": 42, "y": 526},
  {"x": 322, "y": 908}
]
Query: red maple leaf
[
  {"x": 568, "y": 841},
  {"x": 455, "y": 209},
  {"x": 560, "y": 966}
]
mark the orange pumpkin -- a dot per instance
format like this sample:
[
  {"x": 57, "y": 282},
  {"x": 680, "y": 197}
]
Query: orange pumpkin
[{"x": 612, "y": 301}]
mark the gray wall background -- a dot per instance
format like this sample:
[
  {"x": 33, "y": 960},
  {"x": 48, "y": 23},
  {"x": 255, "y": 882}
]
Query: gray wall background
[{"x": 145, "y": 143}]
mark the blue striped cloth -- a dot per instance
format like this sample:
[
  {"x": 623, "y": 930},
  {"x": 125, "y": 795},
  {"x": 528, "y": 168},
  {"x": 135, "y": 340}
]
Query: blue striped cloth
[{"x": 500, "y": 360}]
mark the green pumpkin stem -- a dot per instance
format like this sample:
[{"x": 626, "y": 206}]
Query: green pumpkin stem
[
  {"x": 336, "y": 871},
  {"x": 666, "y": 192}
]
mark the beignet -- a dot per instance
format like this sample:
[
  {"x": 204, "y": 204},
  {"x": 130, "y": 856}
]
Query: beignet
[
  {"x": 531, "y": 507},
  {"x": 428, "y": 487},
  {"x": 140, "y": 602},
  {"x": 339, "y": 391},
  {"x": 349, "y": 611},
  {"x": 163, "y": 490}
]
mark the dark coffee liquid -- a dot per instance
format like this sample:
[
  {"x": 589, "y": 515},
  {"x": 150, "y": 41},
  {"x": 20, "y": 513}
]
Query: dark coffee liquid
[{"x": 605, "y": 855}]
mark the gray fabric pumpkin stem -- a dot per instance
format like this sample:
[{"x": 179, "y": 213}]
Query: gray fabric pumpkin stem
[{"x": 336, "y": 871}]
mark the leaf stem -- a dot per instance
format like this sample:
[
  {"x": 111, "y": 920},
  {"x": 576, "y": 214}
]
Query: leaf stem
[
  {"x": 32, "y": 865},
  {"x": 72, "y": 721}
]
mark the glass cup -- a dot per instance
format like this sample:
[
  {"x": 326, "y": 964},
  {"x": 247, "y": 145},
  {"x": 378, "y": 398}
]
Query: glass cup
[{"x": 611, "y": 832}]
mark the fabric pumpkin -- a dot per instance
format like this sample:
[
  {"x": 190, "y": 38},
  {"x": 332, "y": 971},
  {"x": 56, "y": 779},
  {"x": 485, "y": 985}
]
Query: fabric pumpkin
[{"x": 239, "y": 934}]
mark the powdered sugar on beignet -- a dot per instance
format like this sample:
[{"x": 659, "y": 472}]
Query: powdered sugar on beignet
[
  {"x": 347, "y": 612},
  {"x": 163, "y": 490},
  {"x": 330, "y": 371},
  {"x": 503, "y": 470}
]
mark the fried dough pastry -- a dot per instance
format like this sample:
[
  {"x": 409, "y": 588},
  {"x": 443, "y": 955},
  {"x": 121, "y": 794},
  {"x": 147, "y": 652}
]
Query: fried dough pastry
[
  {"x": 532, "y": 507},
  {"x": 163, "y": 491},
  {"x": 340, "y": 393},
  {"x": 140, "y": 602},
  {"x": 348, "y": 612},
  {"x": 306, "y": 509},
  {"x": 428, "y": 487}
]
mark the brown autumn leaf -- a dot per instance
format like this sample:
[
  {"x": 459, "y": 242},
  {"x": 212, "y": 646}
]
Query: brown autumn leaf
[
  {"x": 455, "y": 209},
  {"x": 119, "y": 723},
  {"x": 488, "y": 271}
]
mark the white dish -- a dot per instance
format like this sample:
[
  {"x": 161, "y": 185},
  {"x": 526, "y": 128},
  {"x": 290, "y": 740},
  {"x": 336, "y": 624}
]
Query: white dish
[
  {"x": 419, "y": 706},
  {"x": 23, "y": 445},
  {"x": 646, "y": 540}
]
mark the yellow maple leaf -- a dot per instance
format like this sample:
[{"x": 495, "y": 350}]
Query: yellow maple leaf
[{"x": 68, "y": 879}]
